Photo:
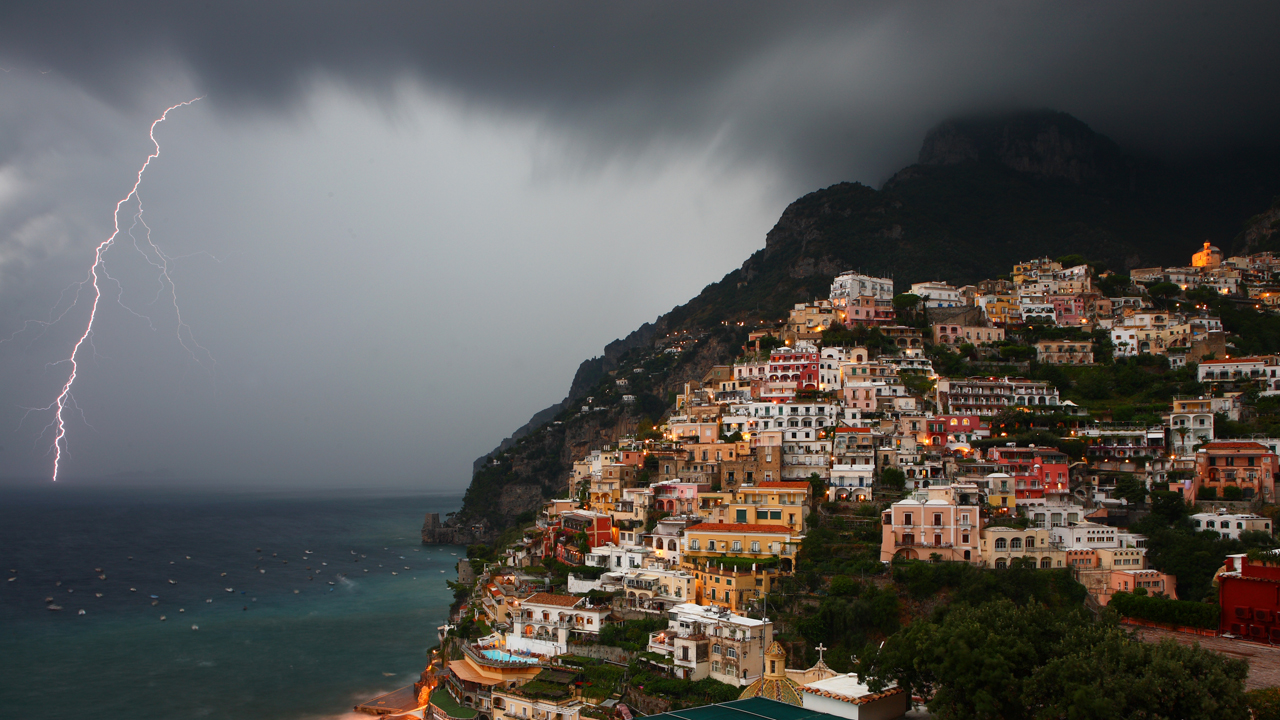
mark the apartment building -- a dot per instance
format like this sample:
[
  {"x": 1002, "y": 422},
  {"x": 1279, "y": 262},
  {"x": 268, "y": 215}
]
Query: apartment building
[
  {"x": 709, "y": 641},
  {"x": 944, "y": 520}
]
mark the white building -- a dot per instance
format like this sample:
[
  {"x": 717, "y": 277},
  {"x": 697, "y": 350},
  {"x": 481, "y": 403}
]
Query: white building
[
  {"x": 854, "y": 285},
  {"x": 1230, "y": 525},
  {"x": 937, "y": 294},
  {"x": 543, "y": 623},
  {"x": 709, "y": 641}
]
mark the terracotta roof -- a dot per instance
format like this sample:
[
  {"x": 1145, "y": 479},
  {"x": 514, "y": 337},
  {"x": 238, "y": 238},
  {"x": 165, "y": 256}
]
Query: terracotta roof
[
  {"x": 738, "y": 527},
  {"x": 782, "y": 484},
  {"x": 543, "y": 598},
  {"x": 848, "y": 698},
  {"x": 1236, "y": 446},
  {"x": 1233, "y": 361}
]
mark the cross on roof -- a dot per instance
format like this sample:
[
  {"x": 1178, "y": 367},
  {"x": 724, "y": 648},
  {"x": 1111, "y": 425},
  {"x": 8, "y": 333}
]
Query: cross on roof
[{"x": 820, "y": 648}]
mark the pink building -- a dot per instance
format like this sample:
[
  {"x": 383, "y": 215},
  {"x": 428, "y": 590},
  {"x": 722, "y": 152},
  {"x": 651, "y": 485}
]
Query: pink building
[
  {"x": 868, "y": 310},
  {"x": 946, "y": 522},
  {"x": 1070, "y": 309},
  {"x": 677, "y": 497}
]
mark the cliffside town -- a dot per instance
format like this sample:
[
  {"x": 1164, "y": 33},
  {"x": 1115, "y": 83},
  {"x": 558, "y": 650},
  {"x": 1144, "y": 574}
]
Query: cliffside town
[{"x": 1084, "y": 440}]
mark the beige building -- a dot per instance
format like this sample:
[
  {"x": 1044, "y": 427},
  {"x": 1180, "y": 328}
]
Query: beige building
[
  {"x": 944, "y": 334},
  {"x": 1064, "y": 352}
]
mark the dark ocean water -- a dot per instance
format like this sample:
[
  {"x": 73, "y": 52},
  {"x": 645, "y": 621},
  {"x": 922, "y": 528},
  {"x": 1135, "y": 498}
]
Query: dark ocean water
[{"x": 262, "y": 650}]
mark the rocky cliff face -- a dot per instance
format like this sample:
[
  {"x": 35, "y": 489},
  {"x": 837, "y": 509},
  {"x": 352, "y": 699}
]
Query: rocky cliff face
[
  {"x": 1043, "y": 144},
  {"x": 1262, "y": 232}
]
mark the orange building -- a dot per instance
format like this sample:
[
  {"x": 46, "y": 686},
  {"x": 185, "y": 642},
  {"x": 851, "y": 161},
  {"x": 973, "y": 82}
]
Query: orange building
[{"x": 1249, "y": 466}]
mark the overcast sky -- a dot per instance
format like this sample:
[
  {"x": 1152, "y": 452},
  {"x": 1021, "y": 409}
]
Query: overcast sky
[{"x": 396, "y": 228}]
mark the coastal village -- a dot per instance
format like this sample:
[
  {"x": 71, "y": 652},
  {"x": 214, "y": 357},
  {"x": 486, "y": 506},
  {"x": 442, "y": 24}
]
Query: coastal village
[{"x": 857, "y": 446}]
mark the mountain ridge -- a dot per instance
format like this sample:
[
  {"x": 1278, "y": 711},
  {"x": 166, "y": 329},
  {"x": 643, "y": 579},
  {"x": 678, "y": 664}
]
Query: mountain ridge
[{"x": 986, "y": 192}]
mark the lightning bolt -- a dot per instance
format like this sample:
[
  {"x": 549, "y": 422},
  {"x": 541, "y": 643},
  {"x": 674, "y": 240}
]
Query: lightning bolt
[{"x": 64, "y": 399}]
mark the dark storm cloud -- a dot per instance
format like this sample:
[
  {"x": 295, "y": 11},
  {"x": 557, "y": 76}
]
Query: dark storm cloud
[{"x": 824, "y": 91}]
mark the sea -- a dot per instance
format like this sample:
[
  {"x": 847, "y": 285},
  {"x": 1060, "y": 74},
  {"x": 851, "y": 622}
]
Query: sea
[{"x": 229, "y": 604}]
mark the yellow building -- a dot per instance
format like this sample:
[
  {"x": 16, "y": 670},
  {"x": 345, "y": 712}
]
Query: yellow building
[
  {"x": 1001, "y": 492},
  {"x": 736, "y": 585},
  {"x": 715, "y": 541},
  {"x": 1001, "y": 308},
  {"x": 1001, "y": 545}
]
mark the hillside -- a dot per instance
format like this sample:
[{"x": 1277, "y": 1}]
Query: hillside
[{"x": 984, "y": 194}]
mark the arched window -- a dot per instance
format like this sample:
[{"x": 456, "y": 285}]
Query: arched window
[
  {"x": 1001, "y": 544},
  {"x": 1030, "y": 543},
  {"x": 1000, "y": 563},
  {"x": 1015, "y": 544}
]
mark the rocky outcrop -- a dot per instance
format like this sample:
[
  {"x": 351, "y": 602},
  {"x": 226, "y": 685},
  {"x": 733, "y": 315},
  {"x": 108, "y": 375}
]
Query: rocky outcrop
[
  {"x": 1042, "y": 144},
  {"x": 1262, "y": 232}
]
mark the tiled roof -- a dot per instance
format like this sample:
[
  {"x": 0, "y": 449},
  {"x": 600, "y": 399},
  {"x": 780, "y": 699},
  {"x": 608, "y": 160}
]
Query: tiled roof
[
  {"x": 549, "y": 599},
  {"x": 1236, "y": 446},
  {"x": 738, "y": 527},
  {"x": 849, "y": 699},
  {"x": 1233, "y": 361}
]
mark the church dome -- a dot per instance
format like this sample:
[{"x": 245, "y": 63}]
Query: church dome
[{"x": 774, "y": 683}]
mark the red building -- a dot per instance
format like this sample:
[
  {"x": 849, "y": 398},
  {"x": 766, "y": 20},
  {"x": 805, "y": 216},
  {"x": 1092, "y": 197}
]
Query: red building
[
  {"x": 787, "y": 365},
  {"x": 1247, "y": 594},
  {"x": 560, "y": 539},
  {"x": 1036, "y": 472},
  {"x": 947, "y": 429}
]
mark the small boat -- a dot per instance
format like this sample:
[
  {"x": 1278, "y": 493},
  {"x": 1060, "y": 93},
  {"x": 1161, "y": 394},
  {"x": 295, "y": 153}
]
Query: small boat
[
  {"x": 261, "y": 570},
  {"x": 195, "y": 627},
  {"x": 155, "y": 603},
  {"x": 153, "y": 597},
  {"x": 188, "y": 557},
  {"x": 97, "y": 594},
  {"x": 308, "y": 552},
  {"x": 295, "y": 592},
  {"x": 163, "y": 618},
  {"x": 173, "y": 582},
  {"x": 82, "y": 612},
  {"x": 209, "y": 600},
  {"x": 49, "y": 599},
  {"x": 393, "y": 572},
  {"x": 229, "y": 589},
  {"x": 102, "y": 577},
  {"x": 97, "y": 569},
  {"x": 366, "y": 569},
  {"x": 133, "y": 589},
  {"x": 53, "y": 607},
  {"x": 12, "y": 579},
  {"x": 182, "y": 610},
  {"x": 330, "y": 582},
  {"x": 224, "y": 574}
]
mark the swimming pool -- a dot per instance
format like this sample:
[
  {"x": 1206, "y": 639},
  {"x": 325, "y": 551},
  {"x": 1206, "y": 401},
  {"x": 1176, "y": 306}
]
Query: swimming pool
[{"x": 508, "y": 657}]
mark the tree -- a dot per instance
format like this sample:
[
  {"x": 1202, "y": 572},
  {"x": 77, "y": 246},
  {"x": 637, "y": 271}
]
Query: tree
[
  {"x": 1169, "y": 506},
  {"x": 1164, "y": 291},
  {"x": 1004, "y": 660},
  {"x": 893, "y": 479},
  {"x": 905, "y": 301},
  {"x": 1131, "y": 489},
  {"x": 1109, "y": 675}
]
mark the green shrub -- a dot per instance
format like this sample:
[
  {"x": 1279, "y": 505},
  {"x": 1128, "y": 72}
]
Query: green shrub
[{"x": 1164, "y": 610}]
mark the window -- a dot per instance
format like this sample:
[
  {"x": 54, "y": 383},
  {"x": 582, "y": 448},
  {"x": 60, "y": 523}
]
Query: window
[
  {"x": 755, "y": 546},
  {"x": 693, "y": 544},
  {"x": 711, "y": 546},
  {"x": 1001, "y": 544},
  {"x": 737, "y": 546}
]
